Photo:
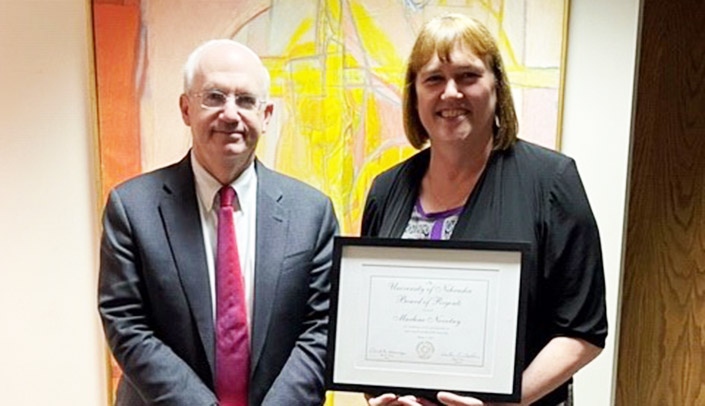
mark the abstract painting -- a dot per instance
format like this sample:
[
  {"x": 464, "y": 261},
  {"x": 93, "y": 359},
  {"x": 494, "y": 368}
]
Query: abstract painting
[{"x": 337, "y": 70}]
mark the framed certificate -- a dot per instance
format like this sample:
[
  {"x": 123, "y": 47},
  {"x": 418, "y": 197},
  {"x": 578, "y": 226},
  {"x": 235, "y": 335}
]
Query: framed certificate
[{"x": 418, "y": 316}]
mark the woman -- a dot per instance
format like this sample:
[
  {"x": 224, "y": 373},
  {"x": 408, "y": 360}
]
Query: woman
[{"x": 477, "y": 181}]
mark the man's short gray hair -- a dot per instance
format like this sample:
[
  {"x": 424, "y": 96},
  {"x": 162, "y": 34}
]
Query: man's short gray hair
[{"x": 195, "y": 57}]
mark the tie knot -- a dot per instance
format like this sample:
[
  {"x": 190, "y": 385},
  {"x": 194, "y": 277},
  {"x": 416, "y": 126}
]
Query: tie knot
[{"x": 227, "y": 196}]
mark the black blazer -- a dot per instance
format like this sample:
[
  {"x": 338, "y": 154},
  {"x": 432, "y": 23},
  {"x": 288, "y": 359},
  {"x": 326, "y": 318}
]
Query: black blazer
[{"x": 526, "y": 193}]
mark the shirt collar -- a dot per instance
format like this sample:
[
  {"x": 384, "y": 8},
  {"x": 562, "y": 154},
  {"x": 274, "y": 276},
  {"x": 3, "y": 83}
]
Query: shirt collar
[{"x": 207, "y": 186}]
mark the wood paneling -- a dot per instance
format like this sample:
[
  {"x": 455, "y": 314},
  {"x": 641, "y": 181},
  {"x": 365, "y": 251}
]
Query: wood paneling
[{"x": 662, "y": 334}]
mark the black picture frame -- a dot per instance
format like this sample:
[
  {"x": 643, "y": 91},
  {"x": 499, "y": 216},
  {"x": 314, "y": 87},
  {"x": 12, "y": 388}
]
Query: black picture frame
[{"x": 363, "y": 271}]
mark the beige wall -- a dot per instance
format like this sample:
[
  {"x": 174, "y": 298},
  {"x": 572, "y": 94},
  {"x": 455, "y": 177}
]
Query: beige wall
[
  {"x": 596, "y": 132},
  {"x": 50, "y": 346}
]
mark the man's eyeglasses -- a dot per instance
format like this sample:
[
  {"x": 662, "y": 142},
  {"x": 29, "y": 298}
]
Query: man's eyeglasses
[{"x": 216, "y": 99}]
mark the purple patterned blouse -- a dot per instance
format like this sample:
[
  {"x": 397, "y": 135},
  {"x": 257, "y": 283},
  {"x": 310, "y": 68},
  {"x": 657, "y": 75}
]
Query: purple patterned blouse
[{"x": 431, "y": 226}]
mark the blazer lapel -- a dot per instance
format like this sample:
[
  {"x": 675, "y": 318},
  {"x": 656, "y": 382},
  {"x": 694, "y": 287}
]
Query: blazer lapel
[
  {"x": 272, "y": 224},
  {"x": 405, "y": 192},
  {"x": 182, "y": 223},
  {"x": 468, "y": 226}
]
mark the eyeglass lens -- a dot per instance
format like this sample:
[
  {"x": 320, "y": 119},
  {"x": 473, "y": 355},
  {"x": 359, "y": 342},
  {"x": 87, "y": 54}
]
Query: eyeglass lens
[{"x": 218, "y": 99}]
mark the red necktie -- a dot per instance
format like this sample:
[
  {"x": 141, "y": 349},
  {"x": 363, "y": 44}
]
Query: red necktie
[{"x": 232, "y": 353}]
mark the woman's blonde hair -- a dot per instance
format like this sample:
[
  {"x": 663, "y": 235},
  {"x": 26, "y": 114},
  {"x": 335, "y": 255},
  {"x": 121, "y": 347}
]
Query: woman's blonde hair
[{"x": 440, "y": 36}]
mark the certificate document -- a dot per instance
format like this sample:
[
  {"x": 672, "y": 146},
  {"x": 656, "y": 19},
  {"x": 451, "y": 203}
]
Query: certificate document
[
  {"x": 411, "y": 316},
  {"x": 427, "y": 320}
]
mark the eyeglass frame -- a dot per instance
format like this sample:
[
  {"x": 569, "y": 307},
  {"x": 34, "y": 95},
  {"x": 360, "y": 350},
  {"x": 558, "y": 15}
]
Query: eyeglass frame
[{"x": 229, "y": 96}]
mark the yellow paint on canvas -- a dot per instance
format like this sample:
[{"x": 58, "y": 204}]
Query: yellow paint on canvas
[{"x": 329, "y": 109}]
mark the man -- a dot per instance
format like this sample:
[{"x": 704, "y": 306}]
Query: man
[{"x": 160, "y": 257}]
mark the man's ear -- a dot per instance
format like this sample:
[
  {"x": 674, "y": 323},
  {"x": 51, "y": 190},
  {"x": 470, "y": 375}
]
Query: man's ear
[
  {"x": 184, "y": 107},
  {"x": 268, "y": 110}
]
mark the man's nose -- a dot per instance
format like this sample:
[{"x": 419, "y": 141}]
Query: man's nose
[{"x": 231, "y": 112}]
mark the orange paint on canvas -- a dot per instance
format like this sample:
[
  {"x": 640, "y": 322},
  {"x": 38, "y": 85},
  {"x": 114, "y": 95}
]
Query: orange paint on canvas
[{"x": 117, "y": 28}]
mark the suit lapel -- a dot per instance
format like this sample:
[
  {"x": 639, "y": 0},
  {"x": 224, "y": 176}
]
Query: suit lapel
[
  {"x": 272, "y": 224},
  {"x": 182, "y": 223}
]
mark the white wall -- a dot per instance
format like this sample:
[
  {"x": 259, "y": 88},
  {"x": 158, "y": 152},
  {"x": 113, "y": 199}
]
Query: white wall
[
  {"x": 596, "y": 132},
  {"x": 51, "y": 351}
]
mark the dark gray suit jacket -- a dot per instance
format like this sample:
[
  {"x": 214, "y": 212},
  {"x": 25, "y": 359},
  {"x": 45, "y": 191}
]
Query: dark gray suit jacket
[{"x": 154, "y": 295}]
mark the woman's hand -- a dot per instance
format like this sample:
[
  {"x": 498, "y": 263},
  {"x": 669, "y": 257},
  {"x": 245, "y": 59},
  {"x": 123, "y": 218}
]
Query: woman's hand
[
  {"x": 390, "y": 399},
  {"x": 450, "y": 399}
]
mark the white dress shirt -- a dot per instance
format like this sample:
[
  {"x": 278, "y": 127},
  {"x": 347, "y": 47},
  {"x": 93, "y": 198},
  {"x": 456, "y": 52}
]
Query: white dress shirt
[{"x": 245, "y": 216}]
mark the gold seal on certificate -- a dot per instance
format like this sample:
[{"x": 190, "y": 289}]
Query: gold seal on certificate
[{"x": 412, "y": 316}]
